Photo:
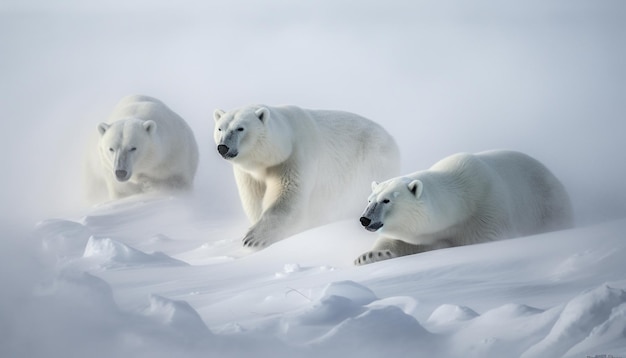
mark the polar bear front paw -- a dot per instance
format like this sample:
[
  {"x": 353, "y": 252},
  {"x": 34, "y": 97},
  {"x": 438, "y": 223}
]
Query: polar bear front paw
[
  {"x": 254, "y": 241},
  {"x": 374, "y": 256}
]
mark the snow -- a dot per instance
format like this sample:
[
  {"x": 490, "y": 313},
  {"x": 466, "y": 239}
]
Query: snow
[
  {"x": 555, "y": 294},
  {"x": 160, "y": 276}
]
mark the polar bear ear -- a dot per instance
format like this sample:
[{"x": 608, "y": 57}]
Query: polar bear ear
[
  {"x": 416, "y": 187},
  {"x": 374, "y": 185},
  {"x": 263, "y": 114},
  {"x": 217, "y": 114},
  {"x": 150, "y": 126},
  {"x": 103, "y": 127}
]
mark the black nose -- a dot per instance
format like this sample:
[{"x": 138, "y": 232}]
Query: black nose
[
  {"x": 365, "y": 221},
  {"x": 122, "y": 175},
  {"x": 222, "y": 149}
]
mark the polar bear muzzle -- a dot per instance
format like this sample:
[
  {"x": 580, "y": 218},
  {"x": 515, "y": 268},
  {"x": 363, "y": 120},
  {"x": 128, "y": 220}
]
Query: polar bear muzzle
[
  {"x": 371, "y": 217},
  {"x": 226, "y": 152},
  {"x": 122, "y": 175},
  {"x": 369, "y": 225}
]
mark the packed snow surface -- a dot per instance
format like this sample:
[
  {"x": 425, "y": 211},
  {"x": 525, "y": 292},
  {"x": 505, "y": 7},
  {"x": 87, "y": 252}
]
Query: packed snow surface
[{"x": 182, "y": 282}]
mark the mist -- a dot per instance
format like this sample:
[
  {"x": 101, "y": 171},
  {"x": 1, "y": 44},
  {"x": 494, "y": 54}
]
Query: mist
[
  {"x": 544, "y": 78},
  {"x": 442, "y": 77}
]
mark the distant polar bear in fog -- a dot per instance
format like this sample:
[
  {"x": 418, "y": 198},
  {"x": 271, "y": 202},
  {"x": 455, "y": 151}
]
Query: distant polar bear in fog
[
  {"x": 297, "y": 168},
  {"x": 143, "y": 147},
  {"x": 464, "y": 199}
]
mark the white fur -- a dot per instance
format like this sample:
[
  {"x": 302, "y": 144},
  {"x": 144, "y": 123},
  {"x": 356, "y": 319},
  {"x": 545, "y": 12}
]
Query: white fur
[
  {"x": 465, "y": 199},
  {"x": 147, "y": 140},
  {"x": 297, "y": 168}
]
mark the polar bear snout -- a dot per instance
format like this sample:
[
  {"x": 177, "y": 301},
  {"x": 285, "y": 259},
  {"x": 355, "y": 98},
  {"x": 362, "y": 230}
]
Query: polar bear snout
[
  {"x": 365, "y": 221},
  {"x": 222, "y": 149},
  {"x": 225, "y": 151},
  {"x": 122, "y": 175},
  {"x": 369, "y": 225}
]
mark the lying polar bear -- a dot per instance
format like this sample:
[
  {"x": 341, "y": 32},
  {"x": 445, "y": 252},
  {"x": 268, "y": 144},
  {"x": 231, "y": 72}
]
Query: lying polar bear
[{"x": 464, "y": 199}]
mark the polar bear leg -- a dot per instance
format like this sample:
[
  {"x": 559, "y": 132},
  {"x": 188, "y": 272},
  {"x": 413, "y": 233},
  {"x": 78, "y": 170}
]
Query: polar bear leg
[
  {"x": 251, "y": 193},
  {"x": 386, "y": 248},
  {"x": 282, "y": 216}
]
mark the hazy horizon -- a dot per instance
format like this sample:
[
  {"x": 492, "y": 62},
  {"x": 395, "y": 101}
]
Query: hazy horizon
[{"x": 442, "y": 77}]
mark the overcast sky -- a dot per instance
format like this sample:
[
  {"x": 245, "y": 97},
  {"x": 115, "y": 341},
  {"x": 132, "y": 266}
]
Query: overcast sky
[{"x": 546, "y": 78}]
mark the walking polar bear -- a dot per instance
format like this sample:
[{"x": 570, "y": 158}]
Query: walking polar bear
[
  {"x": 464, "y": 199},
  {"x": 144, "y": 146},
  {"x": 297, "y": 168}
]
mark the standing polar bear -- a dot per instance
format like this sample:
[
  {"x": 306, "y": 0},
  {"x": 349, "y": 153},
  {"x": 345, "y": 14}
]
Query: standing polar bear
[
  {"x": 144, "y": 146},
  {"x": 297, "y": 168},
  {"x": 464, "y": 199}
]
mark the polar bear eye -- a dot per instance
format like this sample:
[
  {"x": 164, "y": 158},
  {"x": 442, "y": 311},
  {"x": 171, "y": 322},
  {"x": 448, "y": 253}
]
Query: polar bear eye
[
  {"x": 240, "y": 129},
  {"x": 133, "y": 149},
  {"x": 386, "y": 201},
  {"x": 111, "y": 150},
  {"x": 219, "y": 129}
]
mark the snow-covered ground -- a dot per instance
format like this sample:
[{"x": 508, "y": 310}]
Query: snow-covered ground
[
  {"x": 164, "y": 276},
  {"x": 146, "y": 276}
]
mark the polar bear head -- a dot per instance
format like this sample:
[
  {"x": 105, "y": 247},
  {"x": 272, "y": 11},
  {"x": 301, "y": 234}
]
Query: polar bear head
[
  {"x": 399, "y": 208},
  {"x": 251, "y": 136},
  {"x": 127, "y": 146}
]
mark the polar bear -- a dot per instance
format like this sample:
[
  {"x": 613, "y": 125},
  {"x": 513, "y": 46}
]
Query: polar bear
[
  {"x": 143, "y": 147},
  {"x": 464, "y": 199},
  {"x": 297, "y": 168}
]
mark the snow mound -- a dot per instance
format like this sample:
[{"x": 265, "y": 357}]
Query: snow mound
[
  {"x": 177, "y": 315},
  {"x": 64, "y": 238},
  {"x": 338, "y": 302},
  {"x": 509, "y": 311},
  {"x": 108, "y": 253},
  {"x": 361, "y": 335},
  {"x": 407, "y": 304},
  {"x": 329, "y": 310},
  {"x": 610, "y": 333},
  {"x": 348, "y": 319},
  {"x": 448, "y": 314},
  {"x": 79, "y": 289},
  {"x": 357, "y": 293},
  {"x": 578, "y": 320}
]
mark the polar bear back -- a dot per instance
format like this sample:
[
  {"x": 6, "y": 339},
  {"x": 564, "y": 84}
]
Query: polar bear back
[
  {"x": 314, "y": 166},
  {"x": 513, "y": 190},
  {"x": 536, "y": 200},
  {"x": 352, "y": 152}
]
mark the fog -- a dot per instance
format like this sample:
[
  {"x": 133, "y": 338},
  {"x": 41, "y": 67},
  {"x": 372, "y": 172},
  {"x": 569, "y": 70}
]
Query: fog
[
  {"x": 545, "y": 78},
  {"x": 442, "y": 77}
]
